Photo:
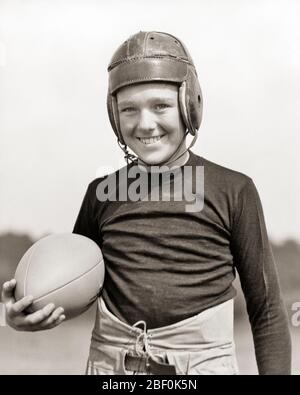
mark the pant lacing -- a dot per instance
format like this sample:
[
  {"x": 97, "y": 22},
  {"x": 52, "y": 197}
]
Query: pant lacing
[{"x": 143, "y": 339}]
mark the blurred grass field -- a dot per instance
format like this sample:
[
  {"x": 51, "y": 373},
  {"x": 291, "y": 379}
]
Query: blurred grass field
[{"x": 64, "y": 350}]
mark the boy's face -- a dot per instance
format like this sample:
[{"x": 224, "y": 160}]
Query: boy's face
[{"x": 150, "y": 120}]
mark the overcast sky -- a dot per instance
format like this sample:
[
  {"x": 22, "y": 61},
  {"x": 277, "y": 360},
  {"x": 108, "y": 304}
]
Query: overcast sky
[{"x": 55, "y": 133}]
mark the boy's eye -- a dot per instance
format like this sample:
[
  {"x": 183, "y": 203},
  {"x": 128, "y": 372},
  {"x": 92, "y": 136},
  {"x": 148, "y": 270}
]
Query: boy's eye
[
  {"x": 128, "y": 109},
  {"x": 161, "y": 106}
]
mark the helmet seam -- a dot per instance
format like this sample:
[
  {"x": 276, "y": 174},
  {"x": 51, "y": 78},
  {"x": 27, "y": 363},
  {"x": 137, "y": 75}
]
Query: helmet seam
[
  {"x": 158, "y": 56},
  {"x": 145, "y": 42},
  {"x": 137, "y": 80}
]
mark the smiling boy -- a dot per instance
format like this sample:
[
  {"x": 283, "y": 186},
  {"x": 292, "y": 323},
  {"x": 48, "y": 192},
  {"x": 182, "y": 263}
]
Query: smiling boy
[
  {"x": 167, "y": 301},
  {"x": 167, "y": 269}
]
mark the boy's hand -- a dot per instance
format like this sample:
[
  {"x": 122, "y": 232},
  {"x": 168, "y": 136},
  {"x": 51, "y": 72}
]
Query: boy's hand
[{"x": 46, "y": 318}]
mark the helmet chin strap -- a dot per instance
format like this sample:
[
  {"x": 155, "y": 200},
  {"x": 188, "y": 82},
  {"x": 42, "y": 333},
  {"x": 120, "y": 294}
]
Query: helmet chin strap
[{"x": 172, "y": 158}]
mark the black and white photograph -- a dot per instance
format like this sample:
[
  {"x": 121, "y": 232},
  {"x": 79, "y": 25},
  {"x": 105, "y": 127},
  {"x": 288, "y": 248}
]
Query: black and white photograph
[{"x": 149, "y": 205}]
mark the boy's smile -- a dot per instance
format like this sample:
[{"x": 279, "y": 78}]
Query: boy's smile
[{"x": 150, "y": 121}]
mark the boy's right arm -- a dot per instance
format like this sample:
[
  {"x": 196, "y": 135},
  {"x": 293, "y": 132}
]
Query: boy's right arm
[{"x": 43, "y": 319}]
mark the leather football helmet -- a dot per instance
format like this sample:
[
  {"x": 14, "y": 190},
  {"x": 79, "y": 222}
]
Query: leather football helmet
[{"x": 155, "y": 56}]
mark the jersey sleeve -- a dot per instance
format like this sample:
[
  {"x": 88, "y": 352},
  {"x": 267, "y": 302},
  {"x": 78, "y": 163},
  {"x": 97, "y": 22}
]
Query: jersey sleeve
[
  {"x": 86, "y": 223},
  {"x": 254, "y": 261}
]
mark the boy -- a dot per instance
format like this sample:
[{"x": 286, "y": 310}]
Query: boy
[{"x": 167, "y": 301}]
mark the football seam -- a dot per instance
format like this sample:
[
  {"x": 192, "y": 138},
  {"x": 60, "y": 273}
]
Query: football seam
[
  {"x": 27, "y": 269},
  {"x": 69, "y": 282}
]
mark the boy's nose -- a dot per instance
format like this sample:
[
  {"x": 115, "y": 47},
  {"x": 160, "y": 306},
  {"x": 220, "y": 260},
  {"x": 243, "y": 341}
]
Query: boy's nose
[{"x": 146, "y": 121}]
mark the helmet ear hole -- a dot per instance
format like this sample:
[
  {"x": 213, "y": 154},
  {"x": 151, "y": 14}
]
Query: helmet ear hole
[
  {"x": 195, "y": 102},
  {"x": 113, "y": 113}
]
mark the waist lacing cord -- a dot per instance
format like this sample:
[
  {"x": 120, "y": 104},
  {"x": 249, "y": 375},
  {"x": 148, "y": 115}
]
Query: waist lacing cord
[{"x": 144, "y": 337}]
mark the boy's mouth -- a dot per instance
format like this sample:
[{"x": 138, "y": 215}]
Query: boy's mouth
[{"x": 150, "y": 140}]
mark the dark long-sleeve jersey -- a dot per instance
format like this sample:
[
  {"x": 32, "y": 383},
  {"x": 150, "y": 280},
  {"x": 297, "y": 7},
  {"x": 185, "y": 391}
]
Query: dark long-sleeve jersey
[{"x": 165, "y": 263}]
